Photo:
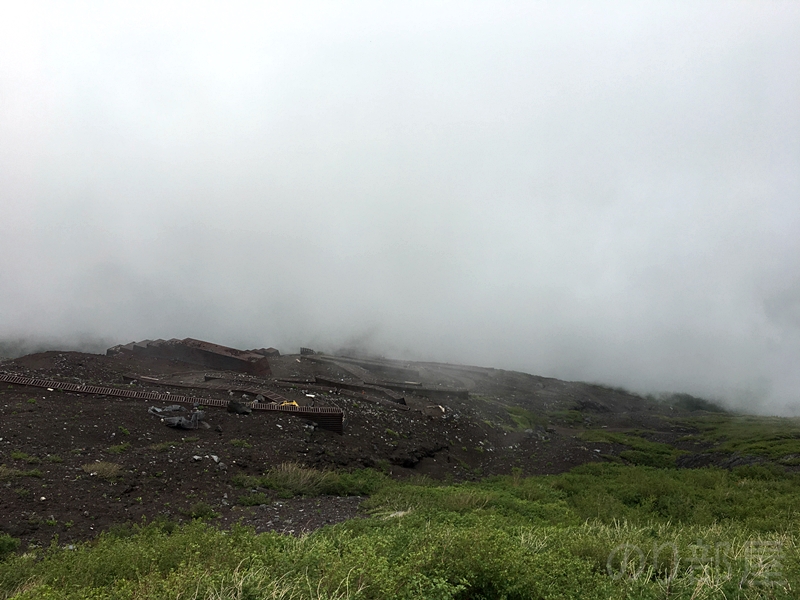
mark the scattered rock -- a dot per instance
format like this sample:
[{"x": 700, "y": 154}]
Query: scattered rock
[
  {"x": 155, "y": 410},
  {"x": 193, "y": 422},
  {"x": 238, "y": 408}
]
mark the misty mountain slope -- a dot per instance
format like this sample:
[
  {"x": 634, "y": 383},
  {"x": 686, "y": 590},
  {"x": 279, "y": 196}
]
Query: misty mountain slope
[{"x": 450, "y": 422}]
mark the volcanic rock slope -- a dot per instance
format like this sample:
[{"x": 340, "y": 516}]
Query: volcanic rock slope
[{"x": 443, "y": 421}]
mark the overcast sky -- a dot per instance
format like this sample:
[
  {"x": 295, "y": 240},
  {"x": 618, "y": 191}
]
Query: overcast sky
[{"x": 603, "y": 191}]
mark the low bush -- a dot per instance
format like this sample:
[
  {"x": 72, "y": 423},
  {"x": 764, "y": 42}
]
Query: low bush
[
  {"x": 201, "y": 511},
  {"x": 8, "y": 545}
]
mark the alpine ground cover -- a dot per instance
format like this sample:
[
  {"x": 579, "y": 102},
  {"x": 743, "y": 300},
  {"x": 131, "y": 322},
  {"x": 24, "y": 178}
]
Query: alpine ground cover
[{"x": 600, "y": 531}]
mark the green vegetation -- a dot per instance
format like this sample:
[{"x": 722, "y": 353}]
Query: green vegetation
[
  {"x": 162, "y": 446},
  {"x": 119, "y": 448},
  {"x": 8, "y": 545},
  {"x": 102, "y": 469},
  {"x": 290, "y": 479},
  {"x": 642, "y": 452},
  {"x": 201, "y": 511},
  {"x": 772, "y": 437},
  {"x": 31, "y": 460},
  {"x": 240, "y": 443},
  {"x": 255, "y": 499},
  {"x": 7, "y": 473},
  {"x": 524, "y": 418},
  {"x": 568, "y": 417},
  {"x": 169, "y": 445},
  {"x": 692, "y": 403},
  {"x": 688, "y": 534},
  {"x": 642, "y": 530}
]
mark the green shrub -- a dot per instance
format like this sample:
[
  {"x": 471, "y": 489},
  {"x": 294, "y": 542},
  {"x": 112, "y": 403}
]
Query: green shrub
[
  {"x": 201, "y": 511},
  {"x": 8, "y": 545}
]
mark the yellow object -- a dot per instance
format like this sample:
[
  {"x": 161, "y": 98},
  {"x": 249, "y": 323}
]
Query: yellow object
[{"x": 290, "y": 403}]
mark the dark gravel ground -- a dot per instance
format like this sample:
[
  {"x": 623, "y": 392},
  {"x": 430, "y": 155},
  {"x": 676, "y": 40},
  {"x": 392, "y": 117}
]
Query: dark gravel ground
[{"x": 50, "y": 440}]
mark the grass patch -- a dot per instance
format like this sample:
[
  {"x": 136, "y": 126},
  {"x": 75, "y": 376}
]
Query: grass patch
[
  {"x": 525, "y": 419},
  {"x": 31, "y": 460},
  {"x": 642, "y": 451},
  {"x": 119, "y": 448},
  {"x": 54, "y": 458},
  {"x": 240, "y": 443},
  {"x": 255, "y": 499},
  {"x": 162, "y": 446},
  {"x": 772, "y": 437},
  {"x": 7, "y": 473},
  {"x": 291, "y": 479},
  {"x": 571, "y": 418},
  {"x": 763, "y": 499},
  {"x": 103, "y": 469}
]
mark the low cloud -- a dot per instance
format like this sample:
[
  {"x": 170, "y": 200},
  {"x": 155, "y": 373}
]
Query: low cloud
[{"x": 600, "y": 192}]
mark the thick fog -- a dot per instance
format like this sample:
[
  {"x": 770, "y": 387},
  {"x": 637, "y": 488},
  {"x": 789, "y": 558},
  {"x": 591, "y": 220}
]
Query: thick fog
[{"x": 598, "y": 191}]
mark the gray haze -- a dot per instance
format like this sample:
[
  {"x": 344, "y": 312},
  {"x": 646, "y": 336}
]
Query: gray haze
[{"x": 586, "y": 190}]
